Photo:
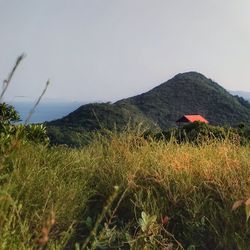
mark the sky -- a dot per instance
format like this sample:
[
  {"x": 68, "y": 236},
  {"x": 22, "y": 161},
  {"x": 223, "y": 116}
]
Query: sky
[{"x": 105, "y": 50}]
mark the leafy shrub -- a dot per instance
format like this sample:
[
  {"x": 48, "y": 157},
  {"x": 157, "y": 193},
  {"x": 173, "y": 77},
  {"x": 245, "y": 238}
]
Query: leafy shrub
[
  {"x": 244, "y": 132},
  {"x": 199, "y": 132},
  {"x": 8, "y": 114},
  {"x": 10, "y": 130}
]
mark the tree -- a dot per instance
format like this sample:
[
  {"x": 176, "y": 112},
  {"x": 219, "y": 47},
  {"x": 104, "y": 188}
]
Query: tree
[
  {"x": 8, "y": 114},
  {"x": 9, "y": 128}
]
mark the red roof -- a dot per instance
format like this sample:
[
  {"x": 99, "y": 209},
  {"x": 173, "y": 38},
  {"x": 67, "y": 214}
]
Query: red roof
[{"x": 192, "y": 118}]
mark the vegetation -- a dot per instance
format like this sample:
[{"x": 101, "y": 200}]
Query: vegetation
[
  {"x": 199, "y": 133},
  {"x": 196, "y": 132},
  {"x": 78, "y": 127},
  {"x": 10, "y": 131},
  {"x": 158, "y": 109},
  {"x": 124, "y": 191}
]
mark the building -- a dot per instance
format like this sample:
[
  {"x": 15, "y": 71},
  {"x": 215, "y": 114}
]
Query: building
[{"x": 186, "y": 119}]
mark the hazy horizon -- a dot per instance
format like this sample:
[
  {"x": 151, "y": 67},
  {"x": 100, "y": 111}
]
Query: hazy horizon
[{"x": 105, "y": 50}]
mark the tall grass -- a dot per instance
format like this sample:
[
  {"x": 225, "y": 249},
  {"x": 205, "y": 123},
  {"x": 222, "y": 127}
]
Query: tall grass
[{"x": 170, "y": 196}]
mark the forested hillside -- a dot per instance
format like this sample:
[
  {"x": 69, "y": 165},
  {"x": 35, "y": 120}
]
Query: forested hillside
[{"x": 157, "y": 109}]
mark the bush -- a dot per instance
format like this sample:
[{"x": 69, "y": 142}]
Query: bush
[
  {"x": 10, "y": 130},
  {"x": 199, "y": 133}
]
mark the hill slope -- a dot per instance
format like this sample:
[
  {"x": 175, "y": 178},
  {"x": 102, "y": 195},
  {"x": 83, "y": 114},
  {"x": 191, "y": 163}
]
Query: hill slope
[
  {"x": 244, "y": 94},
  {"x": 96, "y": 116},
  {"x": 159, "y": 108},
  {"x": 190, "y": 93}
]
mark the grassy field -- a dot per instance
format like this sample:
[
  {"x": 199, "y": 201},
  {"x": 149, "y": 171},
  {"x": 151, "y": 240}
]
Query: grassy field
[{"x": 125, "y": 192}]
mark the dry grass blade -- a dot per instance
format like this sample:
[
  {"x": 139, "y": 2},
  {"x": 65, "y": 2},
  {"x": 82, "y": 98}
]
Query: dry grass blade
[
  {"x": 36, "y": 104},
  {"x": 237, "y": 204},
  {"x": 7, "y": 81},
  {"x": 247, "y": 202}
]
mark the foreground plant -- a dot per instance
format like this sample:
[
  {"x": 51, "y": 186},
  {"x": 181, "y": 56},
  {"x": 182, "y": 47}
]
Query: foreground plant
[{"x": 246, "y": 204}]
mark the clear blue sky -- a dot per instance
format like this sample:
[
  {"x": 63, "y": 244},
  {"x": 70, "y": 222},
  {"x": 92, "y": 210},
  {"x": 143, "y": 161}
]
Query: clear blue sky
[{"x": 103, "y": 50}]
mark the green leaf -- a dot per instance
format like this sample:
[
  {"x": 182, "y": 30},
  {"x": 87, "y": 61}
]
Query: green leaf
[
  {"x": 146, "y": 221},
  {"x": 144, "y": 215}
]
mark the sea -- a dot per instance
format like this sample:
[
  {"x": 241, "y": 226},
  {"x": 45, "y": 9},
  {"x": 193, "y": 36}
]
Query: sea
[{"x": 45, "y": 111}]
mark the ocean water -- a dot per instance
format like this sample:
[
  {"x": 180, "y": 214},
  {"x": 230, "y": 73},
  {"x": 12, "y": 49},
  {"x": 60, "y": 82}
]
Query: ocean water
[{"x": 45, "y": 111}]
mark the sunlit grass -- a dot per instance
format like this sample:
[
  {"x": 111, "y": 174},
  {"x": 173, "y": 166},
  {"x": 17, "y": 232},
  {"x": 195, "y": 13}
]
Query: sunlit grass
[{"x": 53, "y": 194}]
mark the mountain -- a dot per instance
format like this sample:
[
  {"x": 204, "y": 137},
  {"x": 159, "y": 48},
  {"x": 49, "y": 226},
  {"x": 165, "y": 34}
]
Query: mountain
[
  {"x": 159, "y": 108},
  {"x": 244, "y": 94},
  {"x": 96, "y": 116},
  {"x": 190, "y": 93}
]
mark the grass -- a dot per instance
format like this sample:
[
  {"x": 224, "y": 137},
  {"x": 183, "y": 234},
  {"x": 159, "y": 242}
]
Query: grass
[{"x": 125, "y": 192}]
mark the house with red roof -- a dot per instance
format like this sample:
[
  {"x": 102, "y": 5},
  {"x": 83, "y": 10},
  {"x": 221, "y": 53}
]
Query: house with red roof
[{"x": 186, "y": 119}]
